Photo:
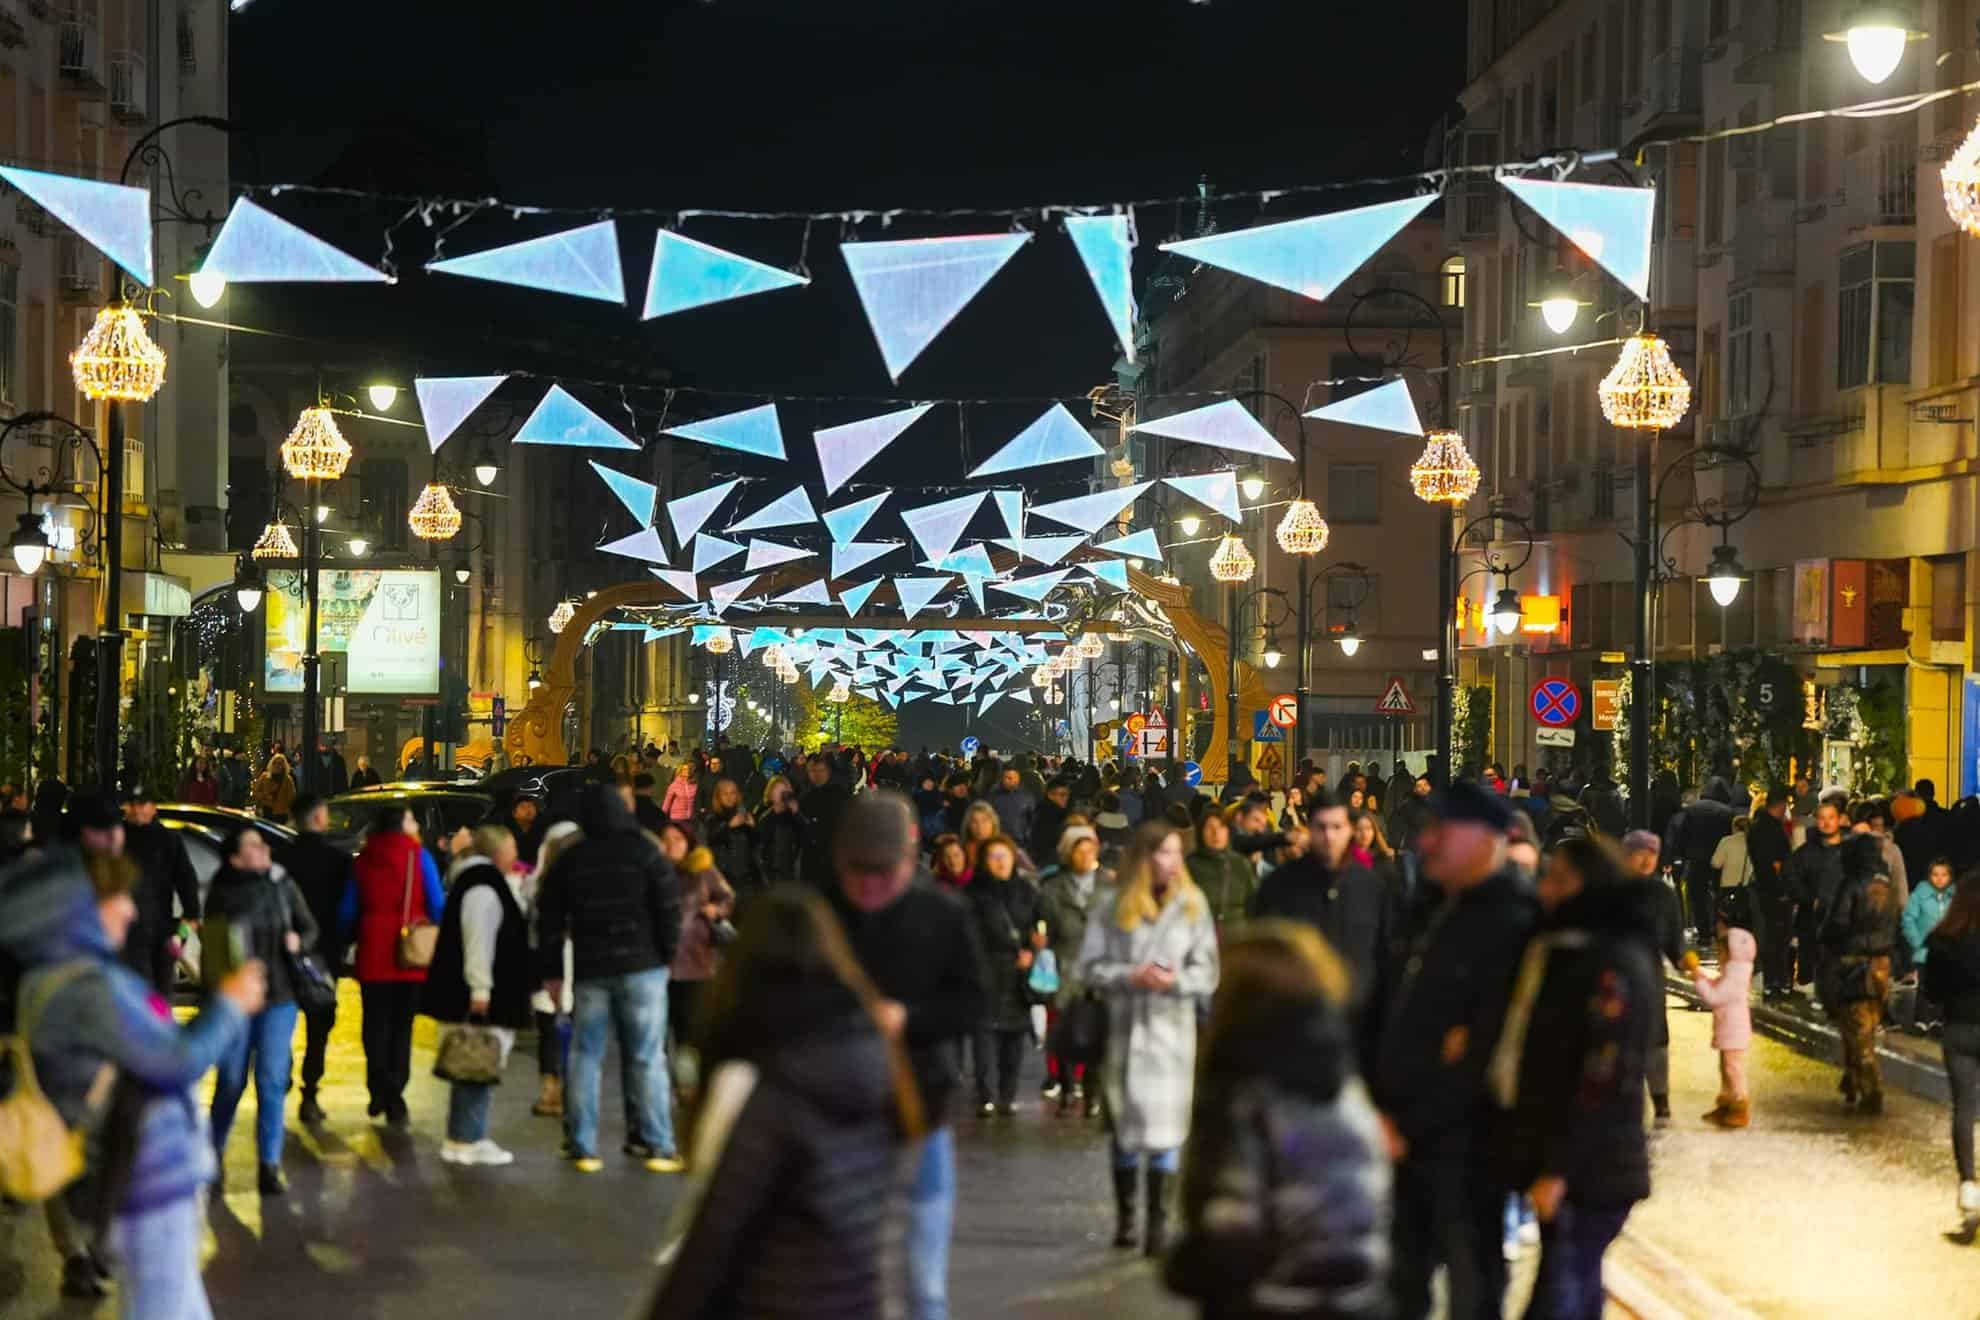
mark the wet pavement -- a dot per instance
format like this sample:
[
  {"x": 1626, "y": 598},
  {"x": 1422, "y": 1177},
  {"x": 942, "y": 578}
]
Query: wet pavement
[{"x": 1806, "y": 1214}]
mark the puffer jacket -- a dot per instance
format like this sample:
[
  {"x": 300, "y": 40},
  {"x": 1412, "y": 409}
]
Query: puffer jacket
[
  {"x": 1921, "y": 913},
  {"x": 1863, "y": 923},
  {"x": 1952, "y": 976},
  {"x": 1286, "y": 1187},
  {"x": 1228, "y": 880},
  {"x": 790, "y": 1200},
  {"x": 1006, "y": 913},
  {"x": 612, "y": 893},
  {"x": 108, "y": 1014}
]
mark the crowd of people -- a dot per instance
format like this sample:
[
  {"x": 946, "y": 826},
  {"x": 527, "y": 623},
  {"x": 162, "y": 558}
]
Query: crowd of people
[{"x": 1327, "y": 1065}]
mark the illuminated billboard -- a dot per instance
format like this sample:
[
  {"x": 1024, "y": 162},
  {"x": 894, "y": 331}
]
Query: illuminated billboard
[{"x": 385, "y": 622}]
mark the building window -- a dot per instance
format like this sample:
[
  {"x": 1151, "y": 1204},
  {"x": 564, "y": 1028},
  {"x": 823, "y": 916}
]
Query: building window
[
  {"x": 1350, "y": 375},
  {"x": 1873, "y": 314},
  {"x": 382, "y": 491},
  {"x": 1451, "y": 282},
  {"x": 10, "y": 333},
  {"x": 1354, "y": 492},
  {"x": 1739, "y": 355},
  {"x": 1949, "y": 599}
]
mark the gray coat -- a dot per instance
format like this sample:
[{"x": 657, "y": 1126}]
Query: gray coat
[
  {"x": 1150, "y": 1070},
  {"x": 1066, "y": 919}
]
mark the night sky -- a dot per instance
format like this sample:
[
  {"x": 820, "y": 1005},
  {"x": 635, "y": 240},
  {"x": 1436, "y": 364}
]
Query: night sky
[{"x": 804, "y": 105}]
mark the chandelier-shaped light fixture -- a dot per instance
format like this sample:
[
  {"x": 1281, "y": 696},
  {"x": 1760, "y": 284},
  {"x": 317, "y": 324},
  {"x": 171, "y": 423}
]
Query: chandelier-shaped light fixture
[
  {"x": 560, "y": 618},
  {"x": 1302, "y": 531},
  {"x": 840, "y": 693},
  {"x": 1232, "y": 562},
  {"x": 1444, "y": 473},
  {"x": 1960, "y": 177},
  {"x": 773, "y": 655},
  {"x": 434, "y": 516},
  {"x": 1092, "y": 645},
  {"x": 117, "y": 360},
  {"x": 788, "y": 673},
  {"x": 720, "y": 643},
  {"x": 316, "y": 450},
  {"x": 1041, "y": 676},
  {"x": 276, "y": 543},
  {"x": 1644, "y": 391}
]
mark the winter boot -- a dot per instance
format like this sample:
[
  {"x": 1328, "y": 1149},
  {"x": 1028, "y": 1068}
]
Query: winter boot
[
  {"x": 1126, "y": 1183},
  {"x": 310, "y": 1111},
  {"x": 1871, "y": 1105},
  {"x": 1158, "y": 1213},
  {"x": 1660, "y": 1107},
  {"x": 1969, "y": 1201},
  {"x": 549, "y": 1098},
  {"x": 1717, "y": 1111},
  {"x": 1736, "y": 1114}
]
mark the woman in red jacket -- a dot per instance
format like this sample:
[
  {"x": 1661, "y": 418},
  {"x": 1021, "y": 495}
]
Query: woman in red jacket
[{"x": 395, "y": 885}]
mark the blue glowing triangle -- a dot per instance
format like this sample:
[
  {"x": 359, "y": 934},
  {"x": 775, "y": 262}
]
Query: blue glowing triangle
[
  {"x": 1110, "y": 571},
  {"x": 680, "y": 581},
  {"x": 766, "y": 636},
  {"x": 854, "y": 598},
  {"x": 1309, "y": 257},
  {"x": 638, "y": 496},
  {"x": 1090, "y": 512},
  {"x": 891, "y": 700},
  {"x": 746, "y": 644},
  {"x": 974, "y": 581},
  {"x": 1020, "y": 694},
  {"x": 1056, "y": 437},
  {"x": 844, "y": 522},
  {"x": 1033, "y": 588},
  {"x": 1611, "y": 225},
  {"x": 971, "y": 558},
  {"x": 1042, "y": 549},
  {"x": 704, "y": 631},
  {"x": 943, "y": 699},
  {"x": 583, "y": 262},
  {"x": 788, "y": 510},
  {"x": 1010, "y": 507},
  {"x": 751, "y": 431},
  {"x": 116, "y": 220},
  {"x": 1213, "y": 490},
  {"x": 913, "y": 287},
  {"x": 643, "y": 544},
  {"x": 1139, "y": 545},
  {"x": 988, "y": 701},
  {"x": 687, "y": 273},
  {"x": 1107, "y": 250},
  {"x": 562, "y": 420},
  {"x": 690, "y": 513},
  {"x": 446, "y": 401},
  {"x": 768, "y": 554},
  {"x": 1225, "y": 425},
  {"x": 853, "y": 554},
  {"x": 844, "y": 450},
  {"x": 655, "y": 634},
  {"x": 256, "y": 246},
  {"x": 712, "y": 550},
  {"x": 916, "y": 592},
  {"x": 723, "y": 596},
  {"x": 1387, "y": 407},
  {"x": 937, "y": 527}
]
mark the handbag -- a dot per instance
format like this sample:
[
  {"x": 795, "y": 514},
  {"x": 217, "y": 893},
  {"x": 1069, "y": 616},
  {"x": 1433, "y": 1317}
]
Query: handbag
[
  {"x": 417, "y": 940},
  {"x": 1044, "y": 979},
  {"x": 314, "y": 987},
  {"x": 721, "y": 931},
  {"x": 1080, "y": 1034},
  {"x": 470, "y": 1053}
]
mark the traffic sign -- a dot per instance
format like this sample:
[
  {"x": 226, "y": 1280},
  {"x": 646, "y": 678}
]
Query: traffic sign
[
  {"x": 1607, "y": 704},
  {"x": 1263, "y": 730},
  {"x": 1284, "y": 710},
  {"x": 1136, "y": 723},
  {"x": 969, "y": 746},
  {"x": 1548, "y": 736},
  {"x": 1395, "y": 698},
  {"x": 1063, "y": 728},
  {"x": 1192, "y": 773},
  {"x": 1555, "y": 702},
  {"x": 498, "y": 714}
]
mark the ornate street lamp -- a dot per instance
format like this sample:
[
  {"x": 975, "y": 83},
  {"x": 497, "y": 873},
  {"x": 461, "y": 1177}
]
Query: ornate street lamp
[{"x": 1876, "y": 36}]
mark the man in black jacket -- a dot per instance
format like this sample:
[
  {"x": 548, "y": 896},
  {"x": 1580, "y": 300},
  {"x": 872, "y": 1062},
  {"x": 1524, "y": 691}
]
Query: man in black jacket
[
  {"x": 1811, "y": 878},
  {"x": 613, "y": 894},
  {"x": 322, "y": 871},
  {"x": 822, "y": 805},
  {"x": 166, "y": 873},
  {"x": 915, "y": 942},
  {"x": 1768, "y": 848},
  {"x": 1464, "y": 934},
  {"x": 1694, "y": 837}
]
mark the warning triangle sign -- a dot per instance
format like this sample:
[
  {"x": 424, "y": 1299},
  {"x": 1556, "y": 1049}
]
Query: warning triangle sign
[{"x": 1395, "y": 699}]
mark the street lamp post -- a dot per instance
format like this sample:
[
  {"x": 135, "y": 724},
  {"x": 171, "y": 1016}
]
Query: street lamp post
[{"x": 314, "y": 452}]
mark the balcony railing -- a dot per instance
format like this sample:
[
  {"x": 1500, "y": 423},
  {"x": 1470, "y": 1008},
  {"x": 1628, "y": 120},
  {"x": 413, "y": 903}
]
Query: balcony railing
[
  {"x": 1676, "y": 85},
  {"x": 79, "y": 51},
  {"x": 129, "y": 94},
  {"x": 1895, "y": 180}
]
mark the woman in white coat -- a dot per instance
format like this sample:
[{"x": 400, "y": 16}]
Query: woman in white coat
[{"x": 1151, "y": 953}]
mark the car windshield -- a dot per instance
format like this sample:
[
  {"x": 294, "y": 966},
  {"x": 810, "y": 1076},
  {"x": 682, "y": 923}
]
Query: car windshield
[{"x": 439, "y": 814}]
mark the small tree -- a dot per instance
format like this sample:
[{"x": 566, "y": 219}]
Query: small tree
[{"x": 859, "y": 722}]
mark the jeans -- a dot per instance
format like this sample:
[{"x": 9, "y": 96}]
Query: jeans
[
  {"x": 1519, "y": 1213},
  {"x": 269, "y": 1035},
  {"x": 1006, "y": 1048},
  {"x": 1569, "y": 1285},
  {"x": 1448, "y": 1212},
  {"x": 634, "y": 1006},
  {"x": 159, "y": 1248},
  {"x": 1962, "y": 1045},
  {"x": 316, "y": 1039},
  {"x": 931, "y": 1213},
  {"x": 388, "y": 1019},
  {"x": 1159, "y": 1161},
  {"x": 467, "y": 1111}
]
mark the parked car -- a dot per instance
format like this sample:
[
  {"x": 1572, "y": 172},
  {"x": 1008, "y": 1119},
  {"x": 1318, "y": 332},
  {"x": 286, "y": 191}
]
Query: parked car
[
  {"x": 540, "y": 781},
  {"x": 201, "y": 828},
  {"x": 441, "y": 806}
]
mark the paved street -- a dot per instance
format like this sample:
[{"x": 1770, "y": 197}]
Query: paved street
[{"x": 1807, "y": 1214}]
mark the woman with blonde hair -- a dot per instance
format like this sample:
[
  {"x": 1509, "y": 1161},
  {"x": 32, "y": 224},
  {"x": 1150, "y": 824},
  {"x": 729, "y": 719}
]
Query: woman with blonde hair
[
  {"x": 275, "y": 791},
  {"x": 1153, "y": 958},
  {"x": 980, "y": 824}
]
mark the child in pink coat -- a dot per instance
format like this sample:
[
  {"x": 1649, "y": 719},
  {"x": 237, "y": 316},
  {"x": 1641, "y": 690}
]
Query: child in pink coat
[{"x": 1732, "y": 1022}]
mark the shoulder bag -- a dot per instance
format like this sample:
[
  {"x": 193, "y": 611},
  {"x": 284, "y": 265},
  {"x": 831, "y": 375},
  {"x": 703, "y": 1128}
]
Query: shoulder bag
[
  {"x": 39, "y": 1153},
  {"x": 314, "y": 987},
  {"x": 470, "y": 1053},
  {"x": 417, "y": 940}
]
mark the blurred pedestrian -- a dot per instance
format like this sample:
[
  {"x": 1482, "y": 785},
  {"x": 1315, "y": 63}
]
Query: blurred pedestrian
[
  {"x": 708, "y": 903},
  {"x": 1858, "y": 939},
  {"x": 395, "y": 886},
  {"x": 167, "y": 894},
  {"x": 198, "y": 784},
  {"x": 322, "y": 873},
  {"x": 779, "y": 833},
  {"x": 1924, "y": 910},
  {"x": 1070, "y": 892},
  {"x": 679, "y": 800},
  {"x": 1952, "y": 980},
  {"x": 1732, "y": 1022},
  {"x": 552, "y": 1014},
  {"x": 275, "y": 790},
  {"x": 1228, "y": 880},
  {"x": 1010, "y": 929},
  {"x": 364, "y": 776},
  {"x": 948, "y": 864}
]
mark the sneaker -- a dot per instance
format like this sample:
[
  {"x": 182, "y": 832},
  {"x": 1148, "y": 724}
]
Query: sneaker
[
  {"x": 1661, "y": 1121},
  {"x": 666, "y": 1164},
  {"x": 1510, "y": 1250},
  {"x": 985, "y": 1110},
  {"x": 271, "y": 1181},
  {"x": 587, "y": 1164},
  {"x": 309, "y": 1111},
  {"x": 1050, "y": 1091},
  {"x": 487, "y": 1152},
  {"x": 1969, "y": 1198},
  {"x": 639, "y": 1150}
]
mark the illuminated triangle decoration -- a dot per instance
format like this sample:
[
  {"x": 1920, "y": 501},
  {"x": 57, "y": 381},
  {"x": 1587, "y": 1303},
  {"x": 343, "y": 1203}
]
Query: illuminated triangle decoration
[
  {"x": 562, "y": 420},
  {"x": 970, "y": 559},
  {"x": 1091, "y": 512},
  {"x": 912, "y": 288},
  {"x": 712, "y": 550},
  {"x": 937, "y": 527},
  {"x": 704, "y": 631},
  {"x": 1019, "y": 694},
  {"x": 1110, "y": 571},
  {"x": 655, "y": 634},
  {"x": 1309, "y": 257},
  {"x": 446, "y": 401},
  {"x": 854, "y": 598},
  {"x": 116, "y": 220},
  {"x": 1010, "y": 507},
  {"x": 638, "y": 496},
  {"x": 787, "y": 510},
  {"x": 845, "y": 522},
  {"x": 811, "y": 593},
  {"x": 680, "y": 581},
  {"x": 844, "y": 450},
  {"x": 988, "y": 702},
  {"x": 690, "y": 512},
  {"x": 1035, "y": 587},
  {"x": 1213, "y": 490},
  {"x": 916, "y": 592},
  {"x": 643, "y": 544},
  {"x": 1139, "y": 545},
  {"x": 583, "y": 262},
  {"x": 1056, "y": 437},
  {"x": 723, "y": 596},
  {"x": 687, "y": 273},
  {"x": 751, "y": 431},
  {"x": 974, "y": 582},
  {"x": 256, "y": 246},
  {"x": 1042, "y": 549},
  {"x": 853, "y": 554},
  {"x": 1387, "y": 407},
  {"x": 768, "y": 554},
  {"x": 891, "y": 700},
  {"x": 1106, "y": 248},
  {"x": 1612, "y": 225},
  {"x": 943, "y": 699},
  {"x": 1226, "y": 425}
]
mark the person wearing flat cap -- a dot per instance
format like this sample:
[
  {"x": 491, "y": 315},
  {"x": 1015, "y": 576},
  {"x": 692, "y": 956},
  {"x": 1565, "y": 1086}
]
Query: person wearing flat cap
[{"x": 1462, "y": 941}]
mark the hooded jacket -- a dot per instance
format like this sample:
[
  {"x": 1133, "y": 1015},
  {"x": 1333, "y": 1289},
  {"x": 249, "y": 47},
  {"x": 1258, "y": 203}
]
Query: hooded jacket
[
  {"x": 108, "y": 1014},
  {"x": 612, "y": 893},
  {"x": 1922, "y": 912},
  {"x": 1696, "y": 832},
  {"x": 1228, "y": 880},
  {"x": 1863, "y": 921},
  {"x": 1727, "y": 994}
]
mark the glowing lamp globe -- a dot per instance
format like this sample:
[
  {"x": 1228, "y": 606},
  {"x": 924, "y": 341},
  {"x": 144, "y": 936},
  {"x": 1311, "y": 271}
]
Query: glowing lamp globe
[
  {"x": 207, "y": 288},
  {"x": 1444, "y": 473},
  {"x": 1875, "y": 36},
  {"x": 382, "y": 396},
  {"x": 535, "y": 679},
  {"x": 433, "y": 516},
  {"x": 1189, "y": 524},
  {"x": 1644, "y": 391},
  {"x": 1252, "y": 487},
  {"x": 1725, "y": 576},
  {"x": 1302, "y": 531},
  {"x": 1232, "y": 562},
  {"x": 316, "y": 450},
  {"x": 29, "y": 544},
  {"x": 1506, "y": 612},
  {"x": 1348, "y": 640},
  {"x": 1272, "y": 655},
  {"x": 117, "y": 360}
]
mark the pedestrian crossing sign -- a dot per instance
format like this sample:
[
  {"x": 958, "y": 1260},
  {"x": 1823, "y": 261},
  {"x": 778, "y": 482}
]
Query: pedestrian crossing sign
[{"x": 1395, "y": 698}]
